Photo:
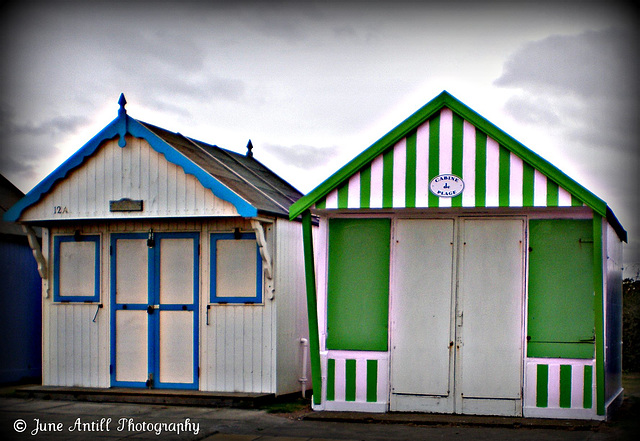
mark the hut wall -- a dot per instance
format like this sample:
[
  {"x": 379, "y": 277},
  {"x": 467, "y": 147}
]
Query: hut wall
[
  {"x": 291, "y": 307},
  {"x": 237, "y": 343},
  {"x": 613, "y": 316}
]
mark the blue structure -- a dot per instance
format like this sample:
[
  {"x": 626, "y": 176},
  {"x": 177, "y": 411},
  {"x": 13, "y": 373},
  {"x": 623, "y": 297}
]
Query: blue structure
[{"x": 20, "y": 299}]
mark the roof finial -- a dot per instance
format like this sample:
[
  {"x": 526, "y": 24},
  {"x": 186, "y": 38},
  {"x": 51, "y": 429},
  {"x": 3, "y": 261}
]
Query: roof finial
[
  {"x": 249, "y": 148},
  {"x": 122, "y": 101}
]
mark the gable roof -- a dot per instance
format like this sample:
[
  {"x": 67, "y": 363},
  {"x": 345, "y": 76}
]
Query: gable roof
[
  {"x": 373, "y": 180},
  {"x": 238, "y": 179},
  {"x": 9, "y": 195}
]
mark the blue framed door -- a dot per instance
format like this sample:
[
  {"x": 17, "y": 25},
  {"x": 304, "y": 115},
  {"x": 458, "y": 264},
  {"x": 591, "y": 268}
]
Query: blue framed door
[{"x": 154, "y": 310}]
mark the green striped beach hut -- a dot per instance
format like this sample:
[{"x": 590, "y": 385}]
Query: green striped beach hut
[{"x": 456, "y": 271}]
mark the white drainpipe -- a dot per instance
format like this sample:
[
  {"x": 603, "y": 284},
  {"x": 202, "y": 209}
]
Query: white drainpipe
[{"x": 305, "y": 355}]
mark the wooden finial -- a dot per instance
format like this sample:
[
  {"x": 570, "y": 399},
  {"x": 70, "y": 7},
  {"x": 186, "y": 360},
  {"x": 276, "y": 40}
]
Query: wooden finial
[
  {"x": 122, "y": 101},
  {"x": 249, "y": 149}
]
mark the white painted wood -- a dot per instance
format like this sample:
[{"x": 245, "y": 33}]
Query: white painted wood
[
  {"x": 77, "y": 268},
  {"x": 354, "y": 191},
  {"x": 176, "y": 347},
  {"x": 243, "y": 348},
  {"x": 238, "y": 344},
  {"x": 399, "y": 173},
  {"x": 553, "y": 390},
  {"x": 422, "y": 268},
  {"x": 490, "y": 317},
  {"x": 176, "y": 271},
  {"x": 131, "y": 345},
  {"x": 131, "y": 271},
  {"x": 340, "y": 379},
  {"x": 539, "y": 189},
  {"x": 291, "y": 305},
  {"x": 445, "y": 149},
  {"x": 516, "y": 172},
  {"x": 377, "y": 167},
  {"x": 137, "y": 172},
  {"x": 493, "y": 174},
  {"x": 73, "y": 345}
]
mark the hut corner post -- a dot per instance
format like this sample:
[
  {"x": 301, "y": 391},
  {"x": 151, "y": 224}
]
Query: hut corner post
[
  {"x": 599, "y": 312},
  {"x": 312, "y": 306}
]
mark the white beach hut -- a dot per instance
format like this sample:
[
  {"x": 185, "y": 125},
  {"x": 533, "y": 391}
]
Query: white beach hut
[{"x": 169, "y": 263}]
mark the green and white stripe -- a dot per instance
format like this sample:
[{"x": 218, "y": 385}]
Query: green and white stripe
[
  {"x": 559, "y": 388},
  {"x": 355, "y": 380},
  {"x": 493, "y": 175}
]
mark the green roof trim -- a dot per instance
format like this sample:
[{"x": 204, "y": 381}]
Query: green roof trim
[{"x": 426, "y": 112}]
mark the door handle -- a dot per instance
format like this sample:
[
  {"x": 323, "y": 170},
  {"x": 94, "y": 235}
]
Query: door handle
[{"x": 151, "y": 308}]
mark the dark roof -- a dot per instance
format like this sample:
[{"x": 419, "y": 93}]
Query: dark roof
[
  {"x": 9, "y": 195},
  {"x": 243, "y": 174}
]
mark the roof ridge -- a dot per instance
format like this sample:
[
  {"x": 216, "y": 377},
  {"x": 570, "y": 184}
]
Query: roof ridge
[
  {"x": 232, "y": 170},
  {"x": 228, "y": 153}
]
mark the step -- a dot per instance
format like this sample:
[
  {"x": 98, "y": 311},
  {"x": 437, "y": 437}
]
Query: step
[{"x": 147, "y": 396}]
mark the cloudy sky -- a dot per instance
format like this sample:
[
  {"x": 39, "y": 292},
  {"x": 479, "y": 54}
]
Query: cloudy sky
[{"x": 312, "y": 84}]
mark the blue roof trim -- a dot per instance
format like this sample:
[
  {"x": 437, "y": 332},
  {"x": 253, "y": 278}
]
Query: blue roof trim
[{"x": 120, "y": 126}]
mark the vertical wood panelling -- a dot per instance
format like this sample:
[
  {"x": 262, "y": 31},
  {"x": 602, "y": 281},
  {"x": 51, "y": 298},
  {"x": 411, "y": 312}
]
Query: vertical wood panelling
[
  {"x": 136, "y": 172},
  {"x": 291, "y": 318},
  {"x": 236, "y": 345}
]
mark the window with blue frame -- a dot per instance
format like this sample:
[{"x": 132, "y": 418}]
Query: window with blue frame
[
  {"x": 236, "y": 269},
  {"x": 76, "y": 268}
]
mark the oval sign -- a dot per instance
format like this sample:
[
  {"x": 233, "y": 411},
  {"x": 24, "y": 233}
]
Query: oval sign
[{"x": 446, "y": 186}]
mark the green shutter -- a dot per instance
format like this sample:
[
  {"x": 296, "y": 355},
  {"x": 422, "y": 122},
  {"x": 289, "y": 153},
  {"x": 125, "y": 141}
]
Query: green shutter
[
  {"x": 560, "y": 309},
  {"x": 358, "y": 285}
]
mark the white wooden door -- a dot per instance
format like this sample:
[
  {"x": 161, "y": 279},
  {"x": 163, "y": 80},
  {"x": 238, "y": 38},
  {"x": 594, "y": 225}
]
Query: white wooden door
[
  {"x": 155, "y": 290},
  {"x": 457, "y": 316},
  {"x": 489, "y": 317},
  {"x": 421, "y": 304}
]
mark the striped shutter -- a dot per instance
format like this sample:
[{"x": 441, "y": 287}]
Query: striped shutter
[{"x": 493, "y": 175}]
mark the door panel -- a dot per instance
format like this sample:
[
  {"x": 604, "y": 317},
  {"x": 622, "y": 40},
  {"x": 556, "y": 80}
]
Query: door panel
[
  {"x": 560, "y": 254},
  {"x": 176, "y": 270},
  {"x": 489, "y": 317},
  {"x": 358, "y": 284},
  {"x": 132, "y": 346},
  {"x": 132, "y": 284},
  {"x": 176, "y": 347},
  {"x": 421, "y": 318}
]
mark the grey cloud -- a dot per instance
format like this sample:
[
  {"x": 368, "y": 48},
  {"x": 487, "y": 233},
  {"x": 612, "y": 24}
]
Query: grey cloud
[
  {"x": 54, "y": 126},
  {"x": 533, "y": 110},
  {"x": 26, "y": 145},
  {"x": 594, "y": 63},
  {"x": 305, "y": 157}
]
